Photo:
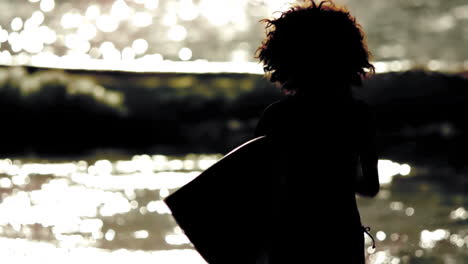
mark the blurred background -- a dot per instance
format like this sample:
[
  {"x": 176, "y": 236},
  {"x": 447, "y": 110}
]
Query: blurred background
[{"x": 109, "y": 106}]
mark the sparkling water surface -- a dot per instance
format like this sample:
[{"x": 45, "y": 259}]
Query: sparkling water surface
[{"x": 112, "y": 210}]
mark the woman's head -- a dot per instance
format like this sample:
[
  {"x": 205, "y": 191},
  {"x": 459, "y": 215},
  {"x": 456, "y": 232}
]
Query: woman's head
[{"x": 314, "y": 43}]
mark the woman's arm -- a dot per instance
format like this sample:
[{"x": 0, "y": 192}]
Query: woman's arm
[{"x": 368, "y": 182}]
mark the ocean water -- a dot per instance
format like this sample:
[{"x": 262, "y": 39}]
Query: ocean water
[{"x": 109, "y": 208}]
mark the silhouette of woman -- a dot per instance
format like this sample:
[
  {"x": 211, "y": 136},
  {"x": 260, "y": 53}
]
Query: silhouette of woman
[{"x": 316, "y": 53}]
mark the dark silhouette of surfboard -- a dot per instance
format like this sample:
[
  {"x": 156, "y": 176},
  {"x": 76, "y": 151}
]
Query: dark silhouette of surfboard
[{"x": 225, "y": 211}]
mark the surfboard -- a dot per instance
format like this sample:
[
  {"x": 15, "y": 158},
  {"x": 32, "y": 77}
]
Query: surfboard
[{"x": 225, "y": 211}]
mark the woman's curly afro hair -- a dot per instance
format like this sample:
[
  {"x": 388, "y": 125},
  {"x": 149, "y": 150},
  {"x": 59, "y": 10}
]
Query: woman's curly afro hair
[{"x": 314, "y": 41}]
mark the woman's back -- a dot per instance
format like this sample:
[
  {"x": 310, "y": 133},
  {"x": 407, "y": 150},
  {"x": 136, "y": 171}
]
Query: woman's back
[{"x": 319, "y": 143}]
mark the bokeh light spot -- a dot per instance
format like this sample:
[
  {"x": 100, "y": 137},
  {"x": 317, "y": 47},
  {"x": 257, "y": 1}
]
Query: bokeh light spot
[
  {"x": 107, "y": 23},
  {"x": 120, "y": 10},
  {"x": 142, "y": 19},
  {"x": 187, "y": 10},
  {"x": 16, "y": 24},
  {"x": 177, "y": 33},
  {"x": 47, "y": 5},
  {"x": 71, "y": 20},
  {"x": 140, "y": 46},
  {"x": 185, "y": 54},
  {"x": 92, "y": 12}
]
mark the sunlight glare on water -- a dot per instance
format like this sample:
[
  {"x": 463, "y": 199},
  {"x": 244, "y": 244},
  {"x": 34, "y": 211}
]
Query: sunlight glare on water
[
  {"x": 113, "y": 209},
  {"x": 429, "y": 239},
  {"x": 24, "y": 251},
  {"x": 389, "y": 169},
  {"x": 71, "y": 206},
  {"x": 37, "y": 33}
]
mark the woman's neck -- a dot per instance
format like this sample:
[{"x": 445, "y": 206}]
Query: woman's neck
[{"x": 332, "y": 88}]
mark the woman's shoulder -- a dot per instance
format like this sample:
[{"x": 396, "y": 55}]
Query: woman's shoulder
[
  {"x": 292, "y": 102},
  {"x": 278, "y": 105},
  {"x": 361, "y": 106}
]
